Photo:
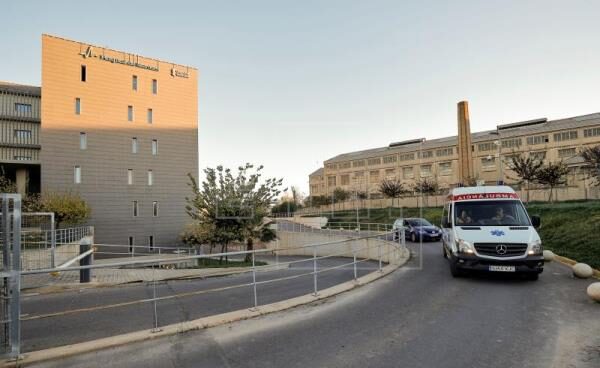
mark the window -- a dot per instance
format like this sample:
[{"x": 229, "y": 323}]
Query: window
[
  {"x": 150, "y": 178},
  {"x": 134, "y": 208},
  {"x": 511, "y": 143},
  {"x": 374, "y": 161},
  {"x": 331, "y": 166},
  {"x": 83, "y": 73},
  {"x": 537, "y": 139},
  {"x": 155, "y": 208},
  {"x": 154, "y": 147},
  {"x": 345, "y": 165},
  {"x": 538, "y": 155},
  {"x": 134, "y": 82},
  {"x": 149, "y": 116},
  {"x": 134, "y": 145},
  {"x": 359, "y": 163},
  {"x": 390, "y": 174},
  {"x": 359, "y": 177},
  {"x": 154, "y": 86},
  {"x": 129, "y": 177},
  {"x": 425, "y": 154},
  {"x": 593, "y": 132},
  {"x": 151, "y": 242},
  {"x": 444, "y": 152},
  {"x": 425, "y": 170},
  {"x": 345, "y": 179},
  {"x": 445, "y": 168},
  {"x": 131, "y": 244},
  {"x": 407, "y": 157},
  {"x": 130, "y": 113},
  {"x": 22, "y": 158},
  {"x": 77, "y": 175},
  {"x": 22, "y": 108},
  {"x": 407, "y": 173},
  {"x": 82, "y": 141},
  {"x": 22, "y": 134},
  {"x": 374, "y": 176},
  {"x": 567, "y": 152},
  {"x": 488, "y": 162},
  {"x": 331, "y": 181},
  {"x": 488, "y": 146},
  {"x": 390, "y": 159},
  {"x": 78, "y": 106},
  {"x": 565, "y": 136}
]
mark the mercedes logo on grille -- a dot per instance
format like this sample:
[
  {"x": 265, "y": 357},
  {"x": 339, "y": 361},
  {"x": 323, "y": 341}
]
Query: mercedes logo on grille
[{"x": 501, "y": 249}]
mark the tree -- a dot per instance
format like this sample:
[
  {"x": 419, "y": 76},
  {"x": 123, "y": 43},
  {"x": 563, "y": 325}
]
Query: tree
[
  {"x": 552, "y": 175},
  {"x": 340, "y": 195},
  {"x": 526, "y": 168},
  {"x": 229, "y": 208},
  {"x": 285, "y": 206},
  {"x": 426, "y": 187},
  {"x": 69, "y": 208},
  {"x": 591, "y": 157},
  {"x": 392, "y": 188}
]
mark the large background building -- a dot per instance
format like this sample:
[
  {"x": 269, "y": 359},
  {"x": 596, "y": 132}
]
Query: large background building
[
  {"x": 408, "y": 161},
  {"x": 117, "y": 128}
]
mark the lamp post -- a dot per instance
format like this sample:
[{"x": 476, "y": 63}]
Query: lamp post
[{"x": 498, "y": 143}]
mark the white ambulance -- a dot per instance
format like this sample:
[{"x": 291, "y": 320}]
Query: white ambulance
[{"x": 487, "y": 228}]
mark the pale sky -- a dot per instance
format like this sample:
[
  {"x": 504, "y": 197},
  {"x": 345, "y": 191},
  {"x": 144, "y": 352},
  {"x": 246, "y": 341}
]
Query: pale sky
[{"x": 289, "y": 84}]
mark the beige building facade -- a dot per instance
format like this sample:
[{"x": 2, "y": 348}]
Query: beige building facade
[
  {"x": 408, "y": 161},
  {"x": 120, "y": 130}
]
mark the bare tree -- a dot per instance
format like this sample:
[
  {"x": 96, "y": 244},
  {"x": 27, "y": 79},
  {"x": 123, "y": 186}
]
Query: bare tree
[
  {"x": 392, "y": 188},
  {"x": 527, "y": 169},
  {"x": 552, "y": 175},
  {"x": 426, "y": 187},
  {"x": 591, "y": 157}
]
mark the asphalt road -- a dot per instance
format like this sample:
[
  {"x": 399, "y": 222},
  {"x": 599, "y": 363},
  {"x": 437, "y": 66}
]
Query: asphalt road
[
  {"x": 41, "y": 333},
  {"x": 411, "y": 318}
]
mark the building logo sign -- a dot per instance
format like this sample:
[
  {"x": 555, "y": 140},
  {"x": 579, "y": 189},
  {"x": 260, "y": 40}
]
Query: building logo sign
[
  {"x": 179, "y": 73},
  {"x": 89, "y": 53}
]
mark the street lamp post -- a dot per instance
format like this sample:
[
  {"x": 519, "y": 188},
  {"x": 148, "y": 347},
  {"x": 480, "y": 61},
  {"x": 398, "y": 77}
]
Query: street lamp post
[{"x": 498, "y": 143}]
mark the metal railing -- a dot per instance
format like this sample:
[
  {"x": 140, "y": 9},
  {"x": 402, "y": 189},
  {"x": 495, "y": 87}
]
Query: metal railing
[{"x": 315, "y": 261}]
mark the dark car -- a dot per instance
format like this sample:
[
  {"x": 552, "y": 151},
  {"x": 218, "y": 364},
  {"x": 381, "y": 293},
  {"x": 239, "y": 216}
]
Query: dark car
[{"x": 416, "y": 229}]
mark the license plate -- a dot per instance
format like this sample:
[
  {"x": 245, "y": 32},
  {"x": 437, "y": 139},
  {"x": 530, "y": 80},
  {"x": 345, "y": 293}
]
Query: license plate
[{"x": 502, "y": 268}]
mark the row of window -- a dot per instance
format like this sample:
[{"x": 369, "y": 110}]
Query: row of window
[
  {"x": 130, "y": 111},
  {"x": 134, "y": 144},
  {"x": 23, "y": 108},
  {"x": 135, "y": 208},
  {"x": 77, "y": 177},
  {"x": 134, "y": 80}
]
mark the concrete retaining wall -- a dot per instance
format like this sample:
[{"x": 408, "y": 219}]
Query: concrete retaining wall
[{"x": 364, "y": 248}]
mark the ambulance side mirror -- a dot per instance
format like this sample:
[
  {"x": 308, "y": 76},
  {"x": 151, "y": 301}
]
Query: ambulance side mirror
[
  {"x": 536, "y": 221},
  {"x": 446, "y": 222}
]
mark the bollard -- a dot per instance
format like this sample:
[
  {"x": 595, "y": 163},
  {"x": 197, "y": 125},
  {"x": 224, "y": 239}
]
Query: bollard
[{"x": 85, "y": 274}]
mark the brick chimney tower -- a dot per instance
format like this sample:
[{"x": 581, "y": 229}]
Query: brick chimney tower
[{"x": 465, "y": 156}]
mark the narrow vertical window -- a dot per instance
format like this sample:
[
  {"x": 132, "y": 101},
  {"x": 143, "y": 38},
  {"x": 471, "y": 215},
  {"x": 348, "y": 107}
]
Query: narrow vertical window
[
  {"x": 130, "y": 113},
  {"x": 134, "y": 145},
  {"x": 134, "y": 82},
  {"x": 78, "y": 106},
  {"x": 150, "y": 178},
  {"x": 151, "y": 242},
  {"x": 83, "y": 73},
  {"x": 77, "y": 175},
  {"x": 149, "y": 116},
  {"x": 134, "y": 205},
  {"x": 155, "y": 208},
  {"x": 155, "y": 147},
  {"x": 82, "y": 141},
  {"x": 131, "y": 244},
  {"x": 129, "y": 177},
  {"x": 154, "y": 86}
]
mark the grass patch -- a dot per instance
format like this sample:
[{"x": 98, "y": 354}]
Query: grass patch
[{"x": 570, "y": 229}]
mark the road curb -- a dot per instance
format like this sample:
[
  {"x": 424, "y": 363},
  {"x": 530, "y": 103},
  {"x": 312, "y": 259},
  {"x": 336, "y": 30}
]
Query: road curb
[
  {"x": 201, "y": 323},
  {"x": 570, "y": 262}
]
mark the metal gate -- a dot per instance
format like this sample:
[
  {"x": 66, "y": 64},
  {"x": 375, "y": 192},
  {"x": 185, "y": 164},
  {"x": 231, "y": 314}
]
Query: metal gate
[{"x": 10, "y": 235}]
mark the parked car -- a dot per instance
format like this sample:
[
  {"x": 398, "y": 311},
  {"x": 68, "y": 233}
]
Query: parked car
[
  {"x": 488, "y": 229},
  {"x": 416, "y": 229}
]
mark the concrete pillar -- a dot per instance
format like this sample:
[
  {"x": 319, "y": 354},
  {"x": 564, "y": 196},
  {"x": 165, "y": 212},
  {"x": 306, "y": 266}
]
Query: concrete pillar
[
  {"x": 465, "y": 155},
  {"x": 22, "y": 178}
]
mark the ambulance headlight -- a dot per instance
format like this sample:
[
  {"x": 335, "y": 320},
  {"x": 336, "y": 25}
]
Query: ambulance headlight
[
  {"x": 464, "y": 246},
  {"x": 535, "y": 248}
]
